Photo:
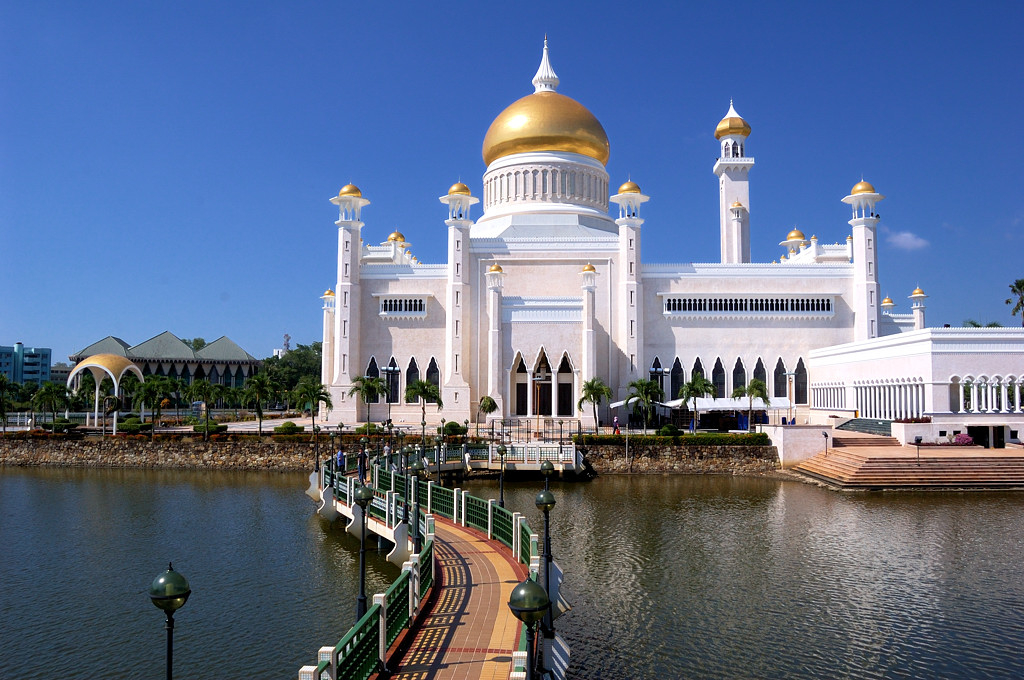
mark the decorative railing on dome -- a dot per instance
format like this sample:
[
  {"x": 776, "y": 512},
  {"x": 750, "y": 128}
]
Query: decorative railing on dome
[{"x": 363, "y": 650}]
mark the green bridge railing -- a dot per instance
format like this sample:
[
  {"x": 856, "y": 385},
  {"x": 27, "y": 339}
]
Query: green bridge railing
[{"x": 363, "y": 651}]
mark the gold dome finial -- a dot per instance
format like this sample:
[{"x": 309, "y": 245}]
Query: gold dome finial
[
  {"x": 589, "y": 267},
  {"x": 459, "y": 189},
  {"x": 917, "y": 292},
  {"x": 862, "y": 187},
  {"x": 495, "y": 268},
  {"x": 397, "y": 236},
  {"x": 732, "y": 124},
  {"x": 350, "y": 190},
  {"x": 795, "y": 235},
  {"x": 887, "y": 302},
  {"x": 328, "y": 293},
  {"x": 629, "y": 187}
]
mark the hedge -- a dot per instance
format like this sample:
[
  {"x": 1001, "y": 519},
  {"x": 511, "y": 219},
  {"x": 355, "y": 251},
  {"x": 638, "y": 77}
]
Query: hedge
[{"x": 700, "y": 439}]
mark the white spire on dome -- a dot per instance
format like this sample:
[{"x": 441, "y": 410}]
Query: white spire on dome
[
  {"x": 732, "y": 111},
  {"x": 545, "y": 80}
]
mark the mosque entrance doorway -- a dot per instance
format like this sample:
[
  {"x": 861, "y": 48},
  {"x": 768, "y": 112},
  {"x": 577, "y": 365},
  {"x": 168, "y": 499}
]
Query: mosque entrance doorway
[{"x": 979, "y": 433}]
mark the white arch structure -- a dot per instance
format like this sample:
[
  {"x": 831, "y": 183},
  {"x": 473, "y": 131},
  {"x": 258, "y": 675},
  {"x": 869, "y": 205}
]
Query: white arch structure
[{"x": 111, "y": 365}]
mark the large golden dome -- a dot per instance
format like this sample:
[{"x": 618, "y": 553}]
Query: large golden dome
[
  {"x": 546, "y": 121},
  {"x": 862, "y": 187}
]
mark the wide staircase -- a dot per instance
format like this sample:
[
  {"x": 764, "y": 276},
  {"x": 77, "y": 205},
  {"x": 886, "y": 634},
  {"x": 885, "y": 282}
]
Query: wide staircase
[
  {"x": 849, "y": 468},
  {"x": 867, "y": 426},
  {"x": 858, "y": 439}
]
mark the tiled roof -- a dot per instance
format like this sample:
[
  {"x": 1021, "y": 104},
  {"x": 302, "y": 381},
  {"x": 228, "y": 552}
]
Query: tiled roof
[
  {"x": 224, "y": 349},
  {"x": 108, "y": 345},
  {"x": 163, "y": 346}
]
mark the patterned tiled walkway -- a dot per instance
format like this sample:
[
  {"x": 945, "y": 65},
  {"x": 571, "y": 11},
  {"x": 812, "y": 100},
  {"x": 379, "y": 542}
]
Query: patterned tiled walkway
[{"x": 470, "y": 633}]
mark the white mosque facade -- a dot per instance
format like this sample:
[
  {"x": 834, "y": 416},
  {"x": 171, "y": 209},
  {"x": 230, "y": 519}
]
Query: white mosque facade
[{"x": 546, "y": 290}]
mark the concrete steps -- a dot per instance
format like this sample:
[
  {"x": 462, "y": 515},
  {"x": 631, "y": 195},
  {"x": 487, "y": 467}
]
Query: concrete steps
[
  {"x": 851, "y": 469},
  {"x": 863, "y": 440}
]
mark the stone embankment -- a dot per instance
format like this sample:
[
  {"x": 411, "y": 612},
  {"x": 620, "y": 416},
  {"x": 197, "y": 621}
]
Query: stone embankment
[
  {"x": 665, "y": 458},
  {"x": 129, "y": 453}
]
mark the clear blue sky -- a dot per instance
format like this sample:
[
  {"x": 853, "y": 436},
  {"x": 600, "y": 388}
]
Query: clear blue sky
[{"x": 167, "y": 166}]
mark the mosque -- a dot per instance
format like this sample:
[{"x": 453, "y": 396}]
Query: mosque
[{"x": 545, "y": 290}]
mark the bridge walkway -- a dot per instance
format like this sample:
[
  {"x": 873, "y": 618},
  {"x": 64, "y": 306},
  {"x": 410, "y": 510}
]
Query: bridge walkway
[{"x": 470, "y": 631}]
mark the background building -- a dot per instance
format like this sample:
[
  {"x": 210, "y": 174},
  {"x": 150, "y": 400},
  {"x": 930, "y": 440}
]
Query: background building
[{"x": 25, "y": 364}]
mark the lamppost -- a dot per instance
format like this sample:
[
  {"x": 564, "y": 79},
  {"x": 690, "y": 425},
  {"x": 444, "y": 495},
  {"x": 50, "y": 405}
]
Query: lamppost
[
  {"x": 334, "y": 450},
  {"x": 789, "y": 379},
  {"x": 825, "y": 435},
  {"x": 401, "y": 438},
  {"x": 416, "y": 467},
  {"x": 423, "y": 432},
  {"x": 917, "y": 443},
  {"x": 547, "y": 468},
  {"x": 363, "y": 441},
  {"x": 465, "y": 436},
  {"x": 528, "y": 603},
  {"x": 390, "y": 371},
  {"x": 542, "y": 376},
  {"x": 391, "y": 436},
  {"x": 406, "y": 450},
  {"x": 169, "y": 591},
  {"x": 362, "y": 496},
  {"x": 501, "y": 475},
  {"x": 545, "y": 501}
]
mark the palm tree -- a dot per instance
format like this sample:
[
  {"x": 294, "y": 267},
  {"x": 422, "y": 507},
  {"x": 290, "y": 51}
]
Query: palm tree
[
  {"x": 7, "y": 389},
  {"x": 369, "y": 390},
  {"x": 312, "y": 392},
  {"x": 755, "y": 389},
  {"x": 50, "y": 394},
  {"x": 971, "y": 323},
  {"x": 424, "y": 391},
  {"x": 693, "y": 390},
  {"x": 643, "y": 394},
  {"x": 260, "y": 389},
  {"x": 1017, "y": 289},
  {"x": 487, "y": 406},
  {"x": 151, "y": 392},
  {"x": 202, "y": 390},
  {"x": 594, "y": 390}
]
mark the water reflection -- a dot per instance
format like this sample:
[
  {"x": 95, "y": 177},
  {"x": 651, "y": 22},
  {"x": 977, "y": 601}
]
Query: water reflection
[{"x": 716, "y": 577}]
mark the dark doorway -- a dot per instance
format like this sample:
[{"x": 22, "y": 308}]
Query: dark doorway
[
  {"x": 998, "y": 437},
  {"x": 564, "y": 399},
  {"x": 979, "y": 433}
]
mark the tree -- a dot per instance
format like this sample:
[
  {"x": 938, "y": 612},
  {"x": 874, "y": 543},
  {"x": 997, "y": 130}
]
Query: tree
[
  {"x": 971, "y": 323},
  {"x": 693, "y": 390},
  {"x": 202, "y": 390},
  {"x": 424, "y": 391},
  {"x": 49, "y": 395},
  {"x": 643, "y": 394},
  {"x": 755, "y": 389},
  {"x": 312, "y": 393},
  {"x": 487, "y": 406},
  {"x": 1017, "y": 289},
  {"x": 8, "y": 390},
  {"x": 305, "y": 361},
  {"x": 151, "y": 393},
  {"x": 259, "y": 390},
  {"x": 195, "y": 344},
  {"x": 369, "y": 390},
  {"x": 594, "y": 390}
]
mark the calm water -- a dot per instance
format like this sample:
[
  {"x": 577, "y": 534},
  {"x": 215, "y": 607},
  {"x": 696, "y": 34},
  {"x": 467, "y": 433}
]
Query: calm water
[{"x": 670, "y": 577}]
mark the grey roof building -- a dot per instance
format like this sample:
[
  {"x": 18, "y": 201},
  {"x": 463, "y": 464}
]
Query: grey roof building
[{"x": 221, "y": 361}]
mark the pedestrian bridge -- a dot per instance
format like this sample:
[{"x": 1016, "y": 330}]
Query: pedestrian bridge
[{"x": 446, "y": 614}]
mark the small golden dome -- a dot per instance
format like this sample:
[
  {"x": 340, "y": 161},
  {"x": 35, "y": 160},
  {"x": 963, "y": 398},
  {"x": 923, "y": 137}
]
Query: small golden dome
[
  {"x": 732, "y": 124},
  {"x": 795, "y": 235},
  {"x": 350, "y": 190},
  {"x": 328, "y": 293},
  {"x": 545, "y": 121},
  {"x": 736, "y": 204},
  {"x": 496, "y": 268},
  {"x": 887, "y": 302},
  {"x": 396, "y": 236},
  {"x": 862, "y": 187},
  {"x": 629, "y": 187},
  {"x": 917, "y": 291},
  {"x": 589, "y": 267},
  {"x": 459, "y": 189}
]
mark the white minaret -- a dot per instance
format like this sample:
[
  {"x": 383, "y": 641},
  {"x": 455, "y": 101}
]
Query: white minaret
[
  {"x": 589, "y": 344},
  {"x": 455, "y": 389},
  {"x": 345, "y": 339},
  {"x": 327, "y": 350},
  {"x": 629, "y": 327},
  {"x": 917, "y": 307},
  {"x": 732, "y": 168},
  {"x": 495, "y": 283},
  {"x": 863, "y": 198}
]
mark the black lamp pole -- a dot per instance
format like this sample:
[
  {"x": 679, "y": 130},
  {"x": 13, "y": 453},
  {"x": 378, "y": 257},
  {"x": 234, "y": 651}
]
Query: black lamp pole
[
  {"x": 545, "y": 501},
  {"x": 169, "y": 591},
  {"x": 528, "y": 603},
  {"x": 363, "y": 441},
  {"x": 501, "y": 475},
  {"x": 547, "y": 468},
  {"x": 417, "y": 468},
  {"x": 362, "y": 496},
  {"x": 405, "y": 471}
]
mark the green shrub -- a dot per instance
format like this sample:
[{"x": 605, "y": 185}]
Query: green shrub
[
  {"x": 701, "y": 439},
  {"x": 133, "y": 426},
  {"x": 369, "y": 428},
  {"x": 288, "y": 427},
  {"x": 214, "y": 428},
  {"x": 452, "y": 428},
  {"x": 668, "y": 430}
]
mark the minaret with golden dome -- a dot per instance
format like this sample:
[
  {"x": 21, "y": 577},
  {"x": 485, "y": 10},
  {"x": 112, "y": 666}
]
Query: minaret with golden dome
[
  {"x": 345, "y": 314},
  {"x": 866, "y": 290},
  {"x": 459, "y": 200},
  {"x": 732, "y": 168},
  {"x": 629, "y": 328}
]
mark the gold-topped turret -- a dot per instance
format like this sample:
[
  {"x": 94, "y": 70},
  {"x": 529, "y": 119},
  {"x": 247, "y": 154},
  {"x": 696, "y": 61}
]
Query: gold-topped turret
[
  {"x": 589, "y": 267},
  {"x": 495, "y": 268},
  {"x": 459, "y": 189},
  {"x": 629, "y": 187},
  {"x": 862, "y": 187},
  {"x": 350, "y": 190},
  {"x": 732, "y": 124},
  {"x": 398, "y": 237}
]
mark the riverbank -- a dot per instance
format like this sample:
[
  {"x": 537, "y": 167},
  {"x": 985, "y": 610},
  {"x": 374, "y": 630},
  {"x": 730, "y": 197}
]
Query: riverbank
[{"x": 647, "y": 458}]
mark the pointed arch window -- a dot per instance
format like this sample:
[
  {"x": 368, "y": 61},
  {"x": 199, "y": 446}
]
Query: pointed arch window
[
  {"x": 373, "y": 371},
  {"x": 780, "y": 380},
  {"x": 800, "y": 383},
  {"x": 393, "y": 381},
  {"x": 698, "y": 369},
  {"x": 657, "y": 375},
  {"x": 739, "y": 374},
  {"x": 760, "y": 373},
  {"x": 676, "y": 379},
  {"x": 433, "y": 376},
  {"x": 718, "y": 379},
  {"x": 412, "y": 374}
]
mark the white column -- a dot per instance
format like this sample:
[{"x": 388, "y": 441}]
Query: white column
[
  {"x": 1003, "y": 394},
  {"x": 961, "y": 407},
  {"x": 529, "y": 393}
]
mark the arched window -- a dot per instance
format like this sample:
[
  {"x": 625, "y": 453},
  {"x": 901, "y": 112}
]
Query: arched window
[
  {"x": 393, "y": 381},
  {"x": 739, "y": 375},
  {"x": 412, "y": 374},
  {"x": 718, "y": 379},
  {"x": 520, "y": 387},
  {"x": 433, "y": 376},
  {"x": 676, "y": 380},
  {"x": 800, "y": 383},
  {"x": 780, "y": 380},
  {"x": 760, "y": 373},
  {"x": 656, "y": 373},
  {"x": 698, "y": 369},
  {"x": 372, "y": 371}
]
